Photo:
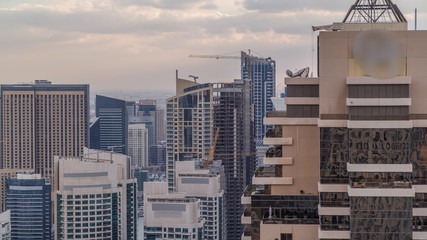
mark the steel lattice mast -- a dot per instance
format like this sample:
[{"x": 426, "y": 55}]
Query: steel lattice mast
[{"x": 374, "y": 11}]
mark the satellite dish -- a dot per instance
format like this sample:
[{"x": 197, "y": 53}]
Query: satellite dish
[{"x": 303, "y": 73}]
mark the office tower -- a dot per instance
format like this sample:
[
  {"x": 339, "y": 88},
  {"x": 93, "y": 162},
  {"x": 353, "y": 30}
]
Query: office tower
[
  {"x": 95, "y": 197},
  {"x": 5, "y": 230},
  {"x": 29, "y": 203},
  {"x": 4, "y": 175},
  {"x": 262, "y": 73},
  {"x": 368, "y": 110},
  {"x": 138, "y": 145},
  {"x": 160, "y": 125},
  {"x": 170, "y": 215},
  {"x": 157, "y": 155},
  {"x": 189, "y": 124},
  {"x": 141, "y": 176},
  {"x": 197, "y": 180},
  {"x": 42, "y": 120},
  {"x": 233, "y": 121},
  {"x": 113, "y": 125}
]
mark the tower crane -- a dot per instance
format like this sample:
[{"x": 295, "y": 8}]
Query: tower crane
[{"x": 249, "y": 63}]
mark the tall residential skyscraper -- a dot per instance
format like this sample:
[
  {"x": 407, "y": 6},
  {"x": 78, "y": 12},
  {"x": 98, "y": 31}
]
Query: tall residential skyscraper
[
  {"x": 157, "y": 155},
  {"x": 95, "y": 197},
  {"x": 138, "y": 145},
  {"x": 189, "y": 124},
  {"x": 41, "y": 120},
  {"x": 233, "y": 120},
  {"x": 262, "y": 73},
  {"x": 28, "y": 199},
  {"x": 354, "y": 138},
  {"x": 113, "y": 125},
  {"x": 193, "y": 115}
]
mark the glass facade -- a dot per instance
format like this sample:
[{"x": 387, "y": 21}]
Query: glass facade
[{"x": 30, "y": 208}]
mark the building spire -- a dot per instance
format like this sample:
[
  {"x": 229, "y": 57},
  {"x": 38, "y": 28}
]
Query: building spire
[{"x": 374, "y": 11}]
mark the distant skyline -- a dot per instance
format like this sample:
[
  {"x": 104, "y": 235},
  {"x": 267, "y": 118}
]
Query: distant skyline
[{"x": 136, "y": 45}]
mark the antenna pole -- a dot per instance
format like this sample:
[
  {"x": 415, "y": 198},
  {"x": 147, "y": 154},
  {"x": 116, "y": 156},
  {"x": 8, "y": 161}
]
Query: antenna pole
[{"x": 416, "y": 19}]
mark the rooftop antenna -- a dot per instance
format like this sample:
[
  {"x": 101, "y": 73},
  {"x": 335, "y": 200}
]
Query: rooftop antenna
[
  {"x": 194, "y": 77},
  {"x": 416, "y": 19},
  {"x": 374, "y": 11}
]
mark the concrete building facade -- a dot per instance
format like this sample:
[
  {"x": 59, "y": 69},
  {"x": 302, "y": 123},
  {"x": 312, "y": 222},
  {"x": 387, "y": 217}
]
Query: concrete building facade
[
  {"x": 170, "y": 215},
  {"x": 138, "y": 145},
  {"x": 95, "y": 197},
  {"x": 5, "y": 229},
  {"x": 349, "y": 151},
  {"x": 41, "y": 120}
]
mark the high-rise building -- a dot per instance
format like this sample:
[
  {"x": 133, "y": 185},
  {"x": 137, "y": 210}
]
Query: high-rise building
[
  {"x": 362, "y": 123},
  {"x": 189, "y": 124},
  {"x": 113, "y": 125},
  {"x": 141, "y": 176},
  {"x": 5, "y": 230},
  {"x": 95, "y": 197},
  {"x": 196, "y": 180},
  {"x": 41, "y": 120},
  {"x": 138, "y": 145},
  {"x": 170, "y": 215},
  {"x": 157, "y": 155},
  {"x": 233, "y": 121},
  {"x": 262, "y": 74},
  {"x": 193, "y": 115},
  {"x": 4, "y": 175},
  {"x": 28, "y": 200}
]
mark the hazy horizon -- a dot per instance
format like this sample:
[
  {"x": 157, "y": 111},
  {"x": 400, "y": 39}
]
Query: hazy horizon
[{"x": 138, "y": 44}]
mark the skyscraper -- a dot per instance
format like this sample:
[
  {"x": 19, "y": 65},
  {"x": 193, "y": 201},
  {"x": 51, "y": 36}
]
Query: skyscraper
[
  {"x": 362, "y": 123},
  {"x": 95, "y": 197},
  {"x": 138, "y": 145},
  {"x": 113, "y": 124},
  {"x": 262, "y": 74},
  {"x": 189, "y": 124},
  {"x": 193, "y": 115},
  {"x": 4, "y": 175},
  {"x": 157, "y": 155},
  {"x": 28, "y": 199},
  {"x": 41, "y": 120},
  {"x": 233, "y": 120}
]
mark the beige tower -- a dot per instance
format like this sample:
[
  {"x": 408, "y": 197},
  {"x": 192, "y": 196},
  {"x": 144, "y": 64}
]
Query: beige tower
[{"x": 40, "y": 121}]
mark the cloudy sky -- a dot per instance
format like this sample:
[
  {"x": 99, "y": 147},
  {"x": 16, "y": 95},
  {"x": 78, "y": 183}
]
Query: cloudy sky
[{"x": 138, "y": 44}]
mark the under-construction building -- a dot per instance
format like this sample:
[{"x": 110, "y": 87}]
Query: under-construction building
[{"x": 202, "y": 113}]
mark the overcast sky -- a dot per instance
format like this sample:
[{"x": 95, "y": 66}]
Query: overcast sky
[{"x": 138, "y": 44}]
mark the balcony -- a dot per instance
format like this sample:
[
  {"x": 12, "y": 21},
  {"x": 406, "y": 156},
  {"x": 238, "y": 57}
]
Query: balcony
[
  {"x": 278, "y": 161},
  {"x": 276, "y": 114},
  {"x": 292, "y": 221},
  {"x": 335, "y": 227},
  {"x": 247, "y": 234},
  {"x": 275, "y": 152},
  {"x": 246, "y": 217},
  {"x": 274, "y": 133},
  {"x": 247, "y": 195},
  {"x": 381, "y": 184},
  {"x": 271, "y": 176}
]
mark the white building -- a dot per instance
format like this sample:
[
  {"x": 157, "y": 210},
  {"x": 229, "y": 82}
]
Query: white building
[
  {"x": 138, "y": 145},
  {"x": 205, "y": 185},
  {"x": 5, "y": 231},
  {"x": 170, "y": 215},
  {"x": 95, "y": 197}
]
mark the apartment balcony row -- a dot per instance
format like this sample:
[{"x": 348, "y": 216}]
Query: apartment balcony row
[
  {"x": 292, "y": 221},
  {"x": 247, "y": 234},
  {"x": 380, "y": 184},
  {"x": 251, "y": 190},
  {"x": 271, "y": 176}
]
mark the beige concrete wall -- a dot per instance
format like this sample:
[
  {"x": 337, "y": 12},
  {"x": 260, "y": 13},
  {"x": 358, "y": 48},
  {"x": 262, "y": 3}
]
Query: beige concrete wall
[
  {"x": 305, "y": 168},
  {"x": 337, "y": 63},
  {"x": 299, "y": 232}
]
